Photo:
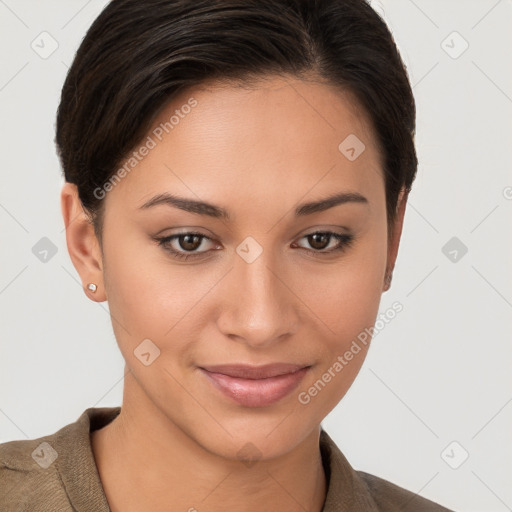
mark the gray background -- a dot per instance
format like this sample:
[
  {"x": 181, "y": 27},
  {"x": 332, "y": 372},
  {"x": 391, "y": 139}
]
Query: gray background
[{"x": 438, "y": 373}]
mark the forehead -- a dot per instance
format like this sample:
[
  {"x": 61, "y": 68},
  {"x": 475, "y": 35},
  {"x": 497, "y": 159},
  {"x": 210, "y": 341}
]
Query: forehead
[{"x": 278, "y": 137}]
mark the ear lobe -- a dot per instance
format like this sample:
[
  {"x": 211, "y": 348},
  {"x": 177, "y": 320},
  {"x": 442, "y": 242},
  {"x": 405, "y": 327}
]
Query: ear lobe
[{"x": 83, "y": 246}]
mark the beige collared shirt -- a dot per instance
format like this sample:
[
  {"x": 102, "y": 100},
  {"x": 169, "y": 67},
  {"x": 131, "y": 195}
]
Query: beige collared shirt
[{"x": 58, "y": 473}]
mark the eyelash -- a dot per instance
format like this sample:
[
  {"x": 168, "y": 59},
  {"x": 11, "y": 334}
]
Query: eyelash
[{"x": 345, "y": 241}]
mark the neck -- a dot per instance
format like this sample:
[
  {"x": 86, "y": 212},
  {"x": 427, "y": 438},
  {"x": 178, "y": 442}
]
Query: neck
[{"x": 146, "y": 462}]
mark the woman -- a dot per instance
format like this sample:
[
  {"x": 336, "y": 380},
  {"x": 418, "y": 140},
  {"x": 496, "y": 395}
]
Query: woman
[{"x": 236, "y": 180}]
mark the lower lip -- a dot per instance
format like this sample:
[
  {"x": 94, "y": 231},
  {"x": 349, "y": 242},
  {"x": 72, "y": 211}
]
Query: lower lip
[{"x": 256, "y": 392}]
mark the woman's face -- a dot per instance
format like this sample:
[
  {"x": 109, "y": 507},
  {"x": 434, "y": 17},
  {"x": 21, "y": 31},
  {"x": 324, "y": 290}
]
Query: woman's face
[{"x": 258, "y": 288}]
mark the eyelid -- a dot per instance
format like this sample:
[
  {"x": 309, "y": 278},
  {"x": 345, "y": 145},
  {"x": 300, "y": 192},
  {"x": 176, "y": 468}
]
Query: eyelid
[
  {"x": 175, "y": 236},
  {"x": 345, "y": 240}
]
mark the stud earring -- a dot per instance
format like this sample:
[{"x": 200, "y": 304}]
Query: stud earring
[{"x": 92, "y": 287}]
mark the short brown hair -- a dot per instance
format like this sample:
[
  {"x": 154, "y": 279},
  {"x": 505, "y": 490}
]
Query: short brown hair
[{"x": 137, "y": 55}]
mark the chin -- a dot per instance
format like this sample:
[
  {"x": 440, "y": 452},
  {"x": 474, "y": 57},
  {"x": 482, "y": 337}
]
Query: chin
[{"x": 254, "y": 438}]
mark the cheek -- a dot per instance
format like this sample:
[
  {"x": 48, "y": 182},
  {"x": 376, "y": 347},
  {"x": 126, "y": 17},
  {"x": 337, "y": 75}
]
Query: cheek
[
  {"x": 148, "y": 295},
  {"x": 346, "y": 301},
  {"x": 346, "y": 296}
]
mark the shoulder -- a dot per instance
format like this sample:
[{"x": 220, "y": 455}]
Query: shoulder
[
  {"x": 391, "y": 497},
  {"x": 359, "y": 491},
  {"x": 29, "y": 477},
  {"x": 55, "y": 471}
]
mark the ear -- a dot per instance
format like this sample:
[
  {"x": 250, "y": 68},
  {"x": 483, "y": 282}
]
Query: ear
[
  {"x": 394, "y": 239},
  {"x": 83, "y": 246}
]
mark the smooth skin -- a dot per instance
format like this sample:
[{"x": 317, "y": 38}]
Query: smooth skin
[{"x": 258, "y": 153}]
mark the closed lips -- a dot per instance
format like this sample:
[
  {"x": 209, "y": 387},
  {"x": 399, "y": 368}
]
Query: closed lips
[
  {"x": 255, "y": 372},
  {"x": 255, "y": 386}
]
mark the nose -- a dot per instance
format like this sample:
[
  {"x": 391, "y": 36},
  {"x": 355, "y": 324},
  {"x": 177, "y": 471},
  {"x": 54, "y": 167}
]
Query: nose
[{"x": 258, "y": 307}]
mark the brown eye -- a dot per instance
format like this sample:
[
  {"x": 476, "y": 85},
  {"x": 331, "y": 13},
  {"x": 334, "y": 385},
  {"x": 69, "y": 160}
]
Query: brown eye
[
  {"x": 189, "y": 242},
  {"x": 319, "y": 241},
  {"x": 185, "y": 245}
]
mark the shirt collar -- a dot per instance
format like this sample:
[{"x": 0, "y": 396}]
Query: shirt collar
[{"x": 346, "y": 491}]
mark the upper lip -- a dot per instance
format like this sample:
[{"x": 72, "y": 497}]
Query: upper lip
[{"x": 244, "y": 371}]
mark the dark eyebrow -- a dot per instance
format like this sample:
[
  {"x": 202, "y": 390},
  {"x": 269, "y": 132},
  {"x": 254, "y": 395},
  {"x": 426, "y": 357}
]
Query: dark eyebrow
[
  {"x": 189, "y": 205},
  {"x": 202, "y": 208},
  {"x": 329, "y": 202}
]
